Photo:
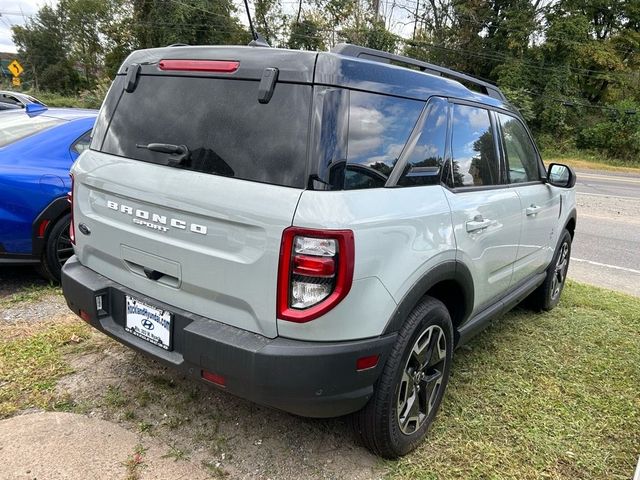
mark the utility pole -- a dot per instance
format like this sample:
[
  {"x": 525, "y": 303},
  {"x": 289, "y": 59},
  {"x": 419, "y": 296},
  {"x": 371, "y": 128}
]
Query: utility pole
[{"x": 415, "y": 24}]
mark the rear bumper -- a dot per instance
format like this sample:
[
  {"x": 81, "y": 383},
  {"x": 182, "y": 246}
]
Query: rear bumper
[{"x": 314, "y": 379}]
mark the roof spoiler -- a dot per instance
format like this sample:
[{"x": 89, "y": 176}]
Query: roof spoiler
[
  {"x": 365, "y": 53},
  {"x": 33, "y": 108}
]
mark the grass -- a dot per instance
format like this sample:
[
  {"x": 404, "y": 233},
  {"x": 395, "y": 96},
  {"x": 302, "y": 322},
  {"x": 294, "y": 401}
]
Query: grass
[
  {"x": 592, "y": 161},
  {"x": 554, "y": 396},
  {"x": 30, "y": 293},
  {"x": 31, "y": 364}
]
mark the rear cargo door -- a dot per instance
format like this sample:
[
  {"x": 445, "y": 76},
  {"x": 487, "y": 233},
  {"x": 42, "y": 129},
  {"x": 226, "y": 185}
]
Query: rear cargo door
[{"x": 201, "y": 233}]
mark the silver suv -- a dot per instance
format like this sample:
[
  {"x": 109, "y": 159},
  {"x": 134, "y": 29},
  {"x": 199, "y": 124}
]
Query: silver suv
[{"x": 312, "y": 231}]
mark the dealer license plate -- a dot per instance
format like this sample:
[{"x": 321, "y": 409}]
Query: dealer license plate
[{"x": 149, "y": 323}]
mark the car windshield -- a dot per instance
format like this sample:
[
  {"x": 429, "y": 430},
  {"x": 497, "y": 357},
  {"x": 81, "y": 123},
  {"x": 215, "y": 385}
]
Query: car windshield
[{"x": 17, "y": 127}]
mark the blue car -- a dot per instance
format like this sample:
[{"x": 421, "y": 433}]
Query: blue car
[{"x": 37, "y": 147}]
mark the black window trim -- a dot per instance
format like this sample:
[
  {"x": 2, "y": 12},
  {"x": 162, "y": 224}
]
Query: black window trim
[{"x": 490, "y": 109}]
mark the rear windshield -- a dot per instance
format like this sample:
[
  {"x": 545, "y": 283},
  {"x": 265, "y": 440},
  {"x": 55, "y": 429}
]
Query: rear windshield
[
  {"x": 220, "y": 121},
  {"x": 17, "y": 127}
]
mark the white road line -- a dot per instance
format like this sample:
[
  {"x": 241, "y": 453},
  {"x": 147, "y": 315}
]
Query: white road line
[
  {"x": 605, "y": 195},
  {"x": 611, "y": 178},
  {"x": 598, "y": 264}
]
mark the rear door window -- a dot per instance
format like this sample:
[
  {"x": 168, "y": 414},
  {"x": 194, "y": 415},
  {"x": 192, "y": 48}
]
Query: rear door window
[
  {"x": 226, "y": 130},
  {"x": 474, "y": 159}
]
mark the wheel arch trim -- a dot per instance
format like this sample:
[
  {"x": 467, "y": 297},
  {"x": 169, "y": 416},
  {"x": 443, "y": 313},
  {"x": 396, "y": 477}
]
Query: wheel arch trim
[
  {"x": 51, "y": 212},
  {"x": 450, "y": 270}
]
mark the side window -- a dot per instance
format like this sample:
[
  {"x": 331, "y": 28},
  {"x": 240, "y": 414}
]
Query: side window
[
  {"x": 379, "y": 127},
  {"x": 426, "y": 156},
  {"x": 521, "y": 156},
  {"x": 474, "y": 159},
  {"x": 9, "y": 99},
  {"x": 82, "y": 144}
]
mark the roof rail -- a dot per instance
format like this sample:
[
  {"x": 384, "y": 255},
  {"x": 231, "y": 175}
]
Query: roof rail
[{"x": 365, "y": 53}]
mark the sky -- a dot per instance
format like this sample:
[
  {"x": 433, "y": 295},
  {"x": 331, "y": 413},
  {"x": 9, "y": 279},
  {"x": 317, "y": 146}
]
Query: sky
[{"x": 15, "y": 12}]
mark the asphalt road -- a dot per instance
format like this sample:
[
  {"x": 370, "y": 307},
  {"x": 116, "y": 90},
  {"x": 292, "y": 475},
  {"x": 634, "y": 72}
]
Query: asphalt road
[{"x": 606, "y": 250}]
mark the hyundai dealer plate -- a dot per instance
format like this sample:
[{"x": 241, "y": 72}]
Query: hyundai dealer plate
[{"x": 149, "y": 323}]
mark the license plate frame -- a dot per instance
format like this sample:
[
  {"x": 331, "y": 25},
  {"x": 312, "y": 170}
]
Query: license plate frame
[{"x": 148, "y": 322}]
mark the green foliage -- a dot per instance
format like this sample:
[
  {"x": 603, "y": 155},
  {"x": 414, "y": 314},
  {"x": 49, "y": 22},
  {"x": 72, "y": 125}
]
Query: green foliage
[
  {"x": 374, "y": 35},
  {"x": 544, "y": 55},
  {"x": 618, "y": 135},
  {"x": 307, "y": 34}
]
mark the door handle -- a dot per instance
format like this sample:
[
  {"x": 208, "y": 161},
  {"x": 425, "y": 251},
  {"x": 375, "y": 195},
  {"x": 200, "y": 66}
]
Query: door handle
[
  {"x": 533, "y": 209},
  {"x": 478, "y": 223}
]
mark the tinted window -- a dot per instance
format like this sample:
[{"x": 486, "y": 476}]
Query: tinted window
[
  {"x": 521, "y": 156},
  {"x": 227, "y": 131},
  {"x": 379, "y": 127},
  {"x": 473, "y": 150},
  {"x": 426, "y": 149},
  {"x": 330, "y": 132},
  {"x": 17, "y": 127}
]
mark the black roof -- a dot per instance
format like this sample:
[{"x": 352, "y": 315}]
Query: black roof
[{"x": 347, "y": 66}]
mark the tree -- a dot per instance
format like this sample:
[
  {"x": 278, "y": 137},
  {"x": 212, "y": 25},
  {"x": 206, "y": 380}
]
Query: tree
[
  {"x": 158, "y": 23},
  {"x": 43, "y": 44}
]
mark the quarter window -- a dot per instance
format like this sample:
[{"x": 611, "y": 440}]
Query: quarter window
[
  {"x": 474, "y": 158},
  {"x": 82, "y": 143},
  {"x": 425, "y": 153},
  {"x": 379, "y": 127},
  {"x": 521, "y": 156}
]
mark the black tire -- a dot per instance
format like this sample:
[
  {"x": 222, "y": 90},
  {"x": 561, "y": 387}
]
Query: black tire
[
  {"x": 57, "y": 249},
  {"x": 384, "y": 425},
  {"x": 547, "y": 295}
]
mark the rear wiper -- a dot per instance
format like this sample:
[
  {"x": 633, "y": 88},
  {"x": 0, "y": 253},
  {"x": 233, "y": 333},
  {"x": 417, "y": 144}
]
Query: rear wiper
[{"x": 179, "y": 153}]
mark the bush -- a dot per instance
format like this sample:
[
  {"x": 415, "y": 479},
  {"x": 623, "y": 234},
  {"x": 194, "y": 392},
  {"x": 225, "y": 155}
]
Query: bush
[
  {"x": 85, "y": 99},
  {"x": 618, "y": 136}
]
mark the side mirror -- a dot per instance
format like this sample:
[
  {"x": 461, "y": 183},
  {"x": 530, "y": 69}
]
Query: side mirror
[{"x": 560, "y": 175}]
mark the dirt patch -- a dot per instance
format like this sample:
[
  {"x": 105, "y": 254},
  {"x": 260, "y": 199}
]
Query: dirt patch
[
  {"x": 43, "y": 309},
  {"x": 225, "y": 434},
  {"x": 222, "y": 434}
]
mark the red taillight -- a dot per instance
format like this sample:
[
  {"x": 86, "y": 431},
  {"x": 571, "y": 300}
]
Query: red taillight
[
  {"x": 72, "y": 228},
  {"x": 365, "y": 363},
  {"x": 315, "y": 272},
  {"x": 220, "y": 66},
  {"x": 314, "y": 266},
  {"x": 214, "y": 378},
  {"x": 85, "y": 316}
]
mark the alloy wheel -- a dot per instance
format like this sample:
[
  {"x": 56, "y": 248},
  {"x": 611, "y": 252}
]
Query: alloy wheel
[
  {"x": 560, "y": 271},
  {"x": 64, "y": 249},
  {"x": 421, "y": 380}
]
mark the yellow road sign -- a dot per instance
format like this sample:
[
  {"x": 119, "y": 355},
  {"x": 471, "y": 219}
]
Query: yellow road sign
[
  {"x": 15, "y": 81},
  {"x": 15, "y": 68}
]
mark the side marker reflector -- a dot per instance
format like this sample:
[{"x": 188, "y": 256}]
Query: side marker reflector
[
  {"x": 365, "y": 363},
  {"x": 214, "y": 378}
]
